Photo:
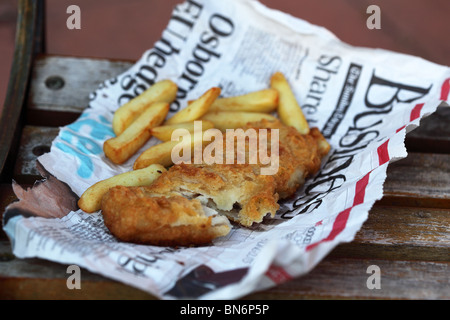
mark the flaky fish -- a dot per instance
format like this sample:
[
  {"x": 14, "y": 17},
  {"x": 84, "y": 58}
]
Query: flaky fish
[{"x": 192, "y": 204}]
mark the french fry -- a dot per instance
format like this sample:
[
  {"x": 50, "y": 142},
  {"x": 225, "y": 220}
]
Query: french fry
[
  {"x": 258, "y": 101},
  {"x": 223, "y": 120},
  {"x": 164, "y": 133},
  {"x": 197, "y": 108},
  {"x": 90, "y": 201},
  {"x": 289, "y": 110},
  {"x": 158, "y": 154},
  {"x": 161, "y": 91},
  {"x": 119, "y": 149},
  {"x": 162, "y": 153}
]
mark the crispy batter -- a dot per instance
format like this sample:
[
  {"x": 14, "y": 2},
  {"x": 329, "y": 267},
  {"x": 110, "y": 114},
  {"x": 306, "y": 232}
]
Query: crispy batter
[
  {"x": 134, "y": 215},
  {"x": 171, "y": 211},
  {"x": 299, "y": 155},
  {"x": 234, "y": 190}
]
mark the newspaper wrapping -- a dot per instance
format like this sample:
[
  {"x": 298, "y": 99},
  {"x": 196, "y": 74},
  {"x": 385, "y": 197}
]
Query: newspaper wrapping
[{"x": 363, "y": 100}]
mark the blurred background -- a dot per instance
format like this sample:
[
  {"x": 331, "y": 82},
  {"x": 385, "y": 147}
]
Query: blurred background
[{"x": 124, "y": 29}]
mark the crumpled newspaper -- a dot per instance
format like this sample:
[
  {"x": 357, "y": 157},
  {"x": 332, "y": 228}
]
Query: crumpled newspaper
[{"x": 363, "y": 100}]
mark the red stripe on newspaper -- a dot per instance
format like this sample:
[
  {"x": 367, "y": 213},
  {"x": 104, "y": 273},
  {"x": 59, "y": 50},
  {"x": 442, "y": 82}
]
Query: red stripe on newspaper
[
  {"x": 342, "y": 218},
  {"x": 445, "y": 90},
  {"x": 415, "y": 112},
  {"x": 383, "y": 153},
  {"x": 278, "y": 274},
  {"x": 360, "y": 190}
]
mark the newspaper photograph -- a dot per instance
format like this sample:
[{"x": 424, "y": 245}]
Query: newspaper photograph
[{"x": 363, "y": 102}]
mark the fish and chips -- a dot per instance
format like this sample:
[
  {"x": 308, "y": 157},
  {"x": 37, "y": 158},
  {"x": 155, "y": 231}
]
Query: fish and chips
[{"x": 167, "y": 202}]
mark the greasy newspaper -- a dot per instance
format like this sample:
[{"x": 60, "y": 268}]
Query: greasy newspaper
[{"x": 364, "y": 101}]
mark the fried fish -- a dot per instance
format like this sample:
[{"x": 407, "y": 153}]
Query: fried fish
[{"x": 192, "y": 204}]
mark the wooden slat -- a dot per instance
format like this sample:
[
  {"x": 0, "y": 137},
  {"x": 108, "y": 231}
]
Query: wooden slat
[
  {"x": 41, "y": 279},
  {"x": 404, "y": 233},
  {"x": 81, "y": 76},
  {"x": 433, "y": 134},
  {"x": 421, "y": 179},
  {"x": 340, "y": 278},
  {"x": 35, "y": 141},
  {"x": 61, "y": 86},
  {"x": 333, "y": 278}
]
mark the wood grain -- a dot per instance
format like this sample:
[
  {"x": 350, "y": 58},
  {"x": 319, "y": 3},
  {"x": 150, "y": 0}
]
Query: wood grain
[
  {"x": 421, "y": 179},
  {"x": 404, "y": 233},
  {"x": 61, "y": 86},
  {"x": 333, "y": 278},
  {"x": 35, "y": 141},
  {"x": 27, "y": 278},
  {"x": 340, "y": 278}
]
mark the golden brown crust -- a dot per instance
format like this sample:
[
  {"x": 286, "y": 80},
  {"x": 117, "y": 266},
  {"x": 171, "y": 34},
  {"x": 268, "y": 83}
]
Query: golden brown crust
[
  {"x": 300, "y": 155},
  {"x": 222, "y": 187},
  {"x": 133, "y": 215},
  {"x": 169, "y": 211}
]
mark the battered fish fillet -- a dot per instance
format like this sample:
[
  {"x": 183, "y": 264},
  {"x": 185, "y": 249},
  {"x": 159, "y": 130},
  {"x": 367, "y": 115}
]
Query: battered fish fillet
[
  {"x": 234, "y": 190},
  {"x": 154, "y": 214},
  {"x": 134, "y": 215}
]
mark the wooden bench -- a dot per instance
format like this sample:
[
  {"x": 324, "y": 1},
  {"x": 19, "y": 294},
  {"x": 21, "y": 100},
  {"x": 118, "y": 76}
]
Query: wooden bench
[{"x": 407, "y": 234}]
